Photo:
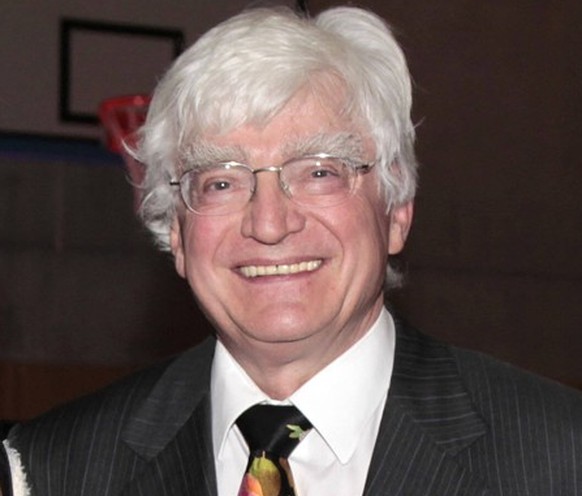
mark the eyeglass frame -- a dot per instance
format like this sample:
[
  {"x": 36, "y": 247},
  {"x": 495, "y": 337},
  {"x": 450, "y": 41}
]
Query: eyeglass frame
[{"x": 357, "y": 170}]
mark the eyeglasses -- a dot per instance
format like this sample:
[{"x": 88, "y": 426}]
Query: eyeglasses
[{"x": 319, "y": 180}]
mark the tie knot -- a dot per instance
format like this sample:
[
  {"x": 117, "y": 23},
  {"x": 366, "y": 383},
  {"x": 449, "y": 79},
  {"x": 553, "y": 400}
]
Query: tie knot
[{"x": 274, "y": 429}]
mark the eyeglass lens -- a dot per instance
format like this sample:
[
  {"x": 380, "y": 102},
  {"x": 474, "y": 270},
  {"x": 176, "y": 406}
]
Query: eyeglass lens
[{"x": 311, "y": 181}]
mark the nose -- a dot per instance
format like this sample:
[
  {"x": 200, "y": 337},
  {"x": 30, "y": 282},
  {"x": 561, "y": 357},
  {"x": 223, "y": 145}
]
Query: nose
[{"x": 270, "y": 216}]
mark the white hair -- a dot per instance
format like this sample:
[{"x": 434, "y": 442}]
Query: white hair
[{"x": 246, "y": 69}]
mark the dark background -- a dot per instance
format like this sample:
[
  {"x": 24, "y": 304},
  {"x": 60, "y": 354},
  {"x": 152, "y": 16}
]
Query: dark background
[{"x": 493, "y": 262}]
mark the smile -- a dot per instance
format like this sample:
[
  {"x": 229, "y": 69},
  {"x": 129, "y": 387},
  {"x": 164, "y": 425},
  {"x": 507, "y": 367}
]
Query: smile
[{"x": 279, "y": 270}]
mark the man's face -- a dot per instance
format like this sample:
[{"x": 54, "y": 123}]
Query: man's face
[{"x": 336, "y": 256}]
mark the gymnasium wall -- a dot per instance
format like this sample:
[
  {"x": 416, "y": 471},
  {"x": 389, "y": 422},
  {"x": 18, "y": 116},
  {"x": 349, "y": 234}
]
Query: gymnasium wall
[{"x": 493, "y": 261}]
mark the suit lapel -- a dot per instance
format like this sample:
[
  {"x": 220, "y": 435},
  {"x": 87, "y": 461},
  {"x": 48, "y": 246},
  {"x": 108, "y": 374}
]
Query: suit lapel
[
  {"x": 172, "y": 430},
  {"x": 428, "y": 419},
  {"x": 185, "y": 465}
]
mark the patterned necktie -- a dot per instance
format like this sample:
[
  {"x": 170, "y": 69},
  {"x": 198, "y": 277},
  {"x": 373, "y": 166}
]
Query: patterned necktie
[{"x": 271, "y": 432}]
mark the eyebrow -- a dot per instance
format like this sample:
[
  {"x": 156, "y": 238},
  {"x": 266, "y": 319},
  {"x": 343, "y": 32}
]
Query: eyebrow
[
  {"x": 343, "y": 144},
  {"x": 202, "y": 154},
  {"x": 339, "y": 144}
]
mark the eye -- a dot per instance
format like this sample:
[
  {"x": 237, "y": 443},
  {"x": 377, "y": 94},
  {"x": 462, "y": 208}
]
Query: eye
[
  {"x": 322, "y": 172},
  {"x": 221, "y": 182},
  {"x": 217, "y": 186},
  {"x": 327, "y": 169},
  {"x": 316, "y": 176}
]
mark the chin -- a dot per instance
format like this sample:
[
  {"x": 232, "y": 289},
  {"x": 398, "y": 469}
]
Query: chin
[{"x": 280, "y": 331}]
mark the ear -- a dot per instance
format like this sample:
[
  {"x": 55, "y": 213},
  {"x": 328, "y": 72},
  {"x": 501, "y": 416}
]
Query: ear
[
  {"x": 400, "y": 221},
  {"x": 177, "y": 247}
]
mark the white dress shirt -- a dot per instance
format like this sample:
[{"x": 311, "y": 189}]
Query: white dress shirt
[
  {"x": 20, "y": 485},
  {"x": 344, "y": 402}
]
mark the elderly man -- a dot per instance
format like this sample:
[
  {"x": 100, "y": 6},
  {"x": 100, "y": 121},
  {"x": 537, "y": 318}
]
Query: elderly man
[{"x": 281, "y": 175}]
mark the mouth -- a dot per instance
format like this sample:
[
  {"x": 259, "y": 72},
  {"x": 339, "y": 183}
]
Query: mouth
[{"x": 251, "y": 271}]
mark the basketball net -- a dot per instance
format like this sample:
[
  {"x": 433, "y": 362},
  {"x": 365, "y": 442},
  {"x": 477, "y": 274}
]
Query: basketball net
[{"x": 121, "y": 117}]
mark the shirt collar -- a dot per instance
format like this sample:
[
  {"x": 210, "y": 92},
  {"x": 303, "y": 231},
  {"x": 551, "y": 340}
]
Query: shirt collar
[
  {"x": 338, "y": 400},
  {"x": 343, "y": 397},
  {"x": 232, "y": 392}
]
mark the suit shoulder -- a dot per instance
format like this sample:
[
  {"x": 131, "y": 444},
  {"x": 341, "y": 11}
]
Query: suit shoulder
[
  {"x": 109, "y": 408},
  {"x": 85, "y": 447},
  {"x": 113, "y": 401},
  {"x": 497, "y": 386}
]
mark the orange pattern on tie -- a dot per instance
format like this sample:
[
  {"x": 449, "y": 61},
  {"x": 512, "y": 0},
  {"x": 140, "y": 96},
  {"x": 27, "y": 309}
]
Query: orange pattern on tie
[{"x": 272, "y": 432}]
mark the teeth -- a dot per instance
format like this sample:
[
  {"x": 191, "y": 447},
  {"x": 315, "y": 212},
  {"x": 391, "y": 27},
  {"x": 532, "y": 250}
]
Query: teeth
[{"x": 279, "y": 270}]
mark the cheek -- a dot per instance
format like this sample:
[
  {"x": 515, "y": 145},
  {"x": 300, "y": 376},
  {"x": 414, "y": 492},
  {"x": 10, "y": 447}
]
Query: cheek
[
  {"x": 369, "y": 225},
  {"x": 202, "y": 239},
  {"x": 363, "y": 233}
]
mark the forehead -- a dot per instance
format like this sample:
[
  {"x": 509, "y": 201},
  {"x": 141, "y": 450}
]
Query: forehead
[{"x": 308, "y": 123}]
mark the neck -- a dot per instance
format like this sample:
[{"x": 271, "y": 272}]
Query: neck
[{"x": 279, "y": 381}]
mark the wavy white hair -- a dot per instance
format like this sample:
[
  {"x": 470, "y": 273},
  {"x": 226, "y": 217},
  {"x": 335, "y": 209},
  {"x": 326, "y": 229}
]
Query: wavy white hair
[{"x": 247, "y": 68}]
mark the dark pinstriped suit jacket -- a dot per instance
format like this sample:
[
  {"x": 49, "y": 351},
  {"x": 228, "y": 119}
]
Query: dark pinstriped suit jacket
[{"x": 455, "y": 423}]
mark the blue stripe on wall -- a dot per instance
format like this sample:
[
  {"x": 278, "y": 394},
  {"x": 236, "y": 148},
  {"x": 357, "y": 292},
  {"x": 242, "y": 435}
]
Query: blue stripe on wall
[{"x": 56, "y": 149}]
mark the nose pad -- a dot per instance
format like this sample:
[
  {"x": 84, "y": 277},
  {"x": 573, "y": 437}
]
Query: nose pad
[
  {"x": 282, "y": 186},
  {"x": 270, "y": 197},
  {"x": 285, "y": 188}
]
